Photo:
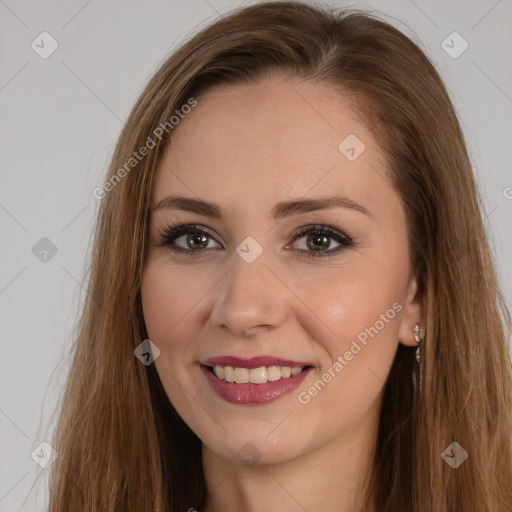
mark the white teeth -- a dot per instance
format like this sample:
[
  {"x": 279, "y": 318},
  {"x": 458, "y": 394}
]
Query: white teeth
[
  {"x": 219, "y": 371},
  {"x": 228, "y": 373},
  {"x": 255, "y": 375},
  {"x": 286, "y": 371},
  {"x": 258, "y": 375},
  {"x": 241, "y": 375},
  {"x": 273, "y": 373}
]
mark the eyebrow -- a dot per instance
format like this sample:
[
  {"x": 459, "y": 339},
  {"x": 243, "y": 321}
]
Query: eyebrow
[{"x": 280, "y": 210}]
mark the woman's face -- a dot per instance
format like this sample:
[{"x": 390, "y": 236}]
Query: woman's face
[{"x": 336, "y": 303}]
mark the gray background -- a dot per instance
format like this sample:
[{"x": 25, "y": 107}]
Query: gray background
[{"x": 60, "y": 118}]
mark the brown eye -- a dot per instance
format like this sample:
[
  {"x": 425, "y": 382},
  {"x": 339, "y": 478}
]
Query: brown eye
[
  {"x": 197, "y": 241},
  {"x": 318, "y": 240},
  {"x": 195, "y": 238}
]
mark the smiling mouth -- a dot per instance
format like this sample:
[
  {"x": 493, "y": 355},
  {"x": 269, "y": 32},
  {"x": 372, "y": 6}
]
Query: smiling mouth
[{"x": 260, "y": 375}]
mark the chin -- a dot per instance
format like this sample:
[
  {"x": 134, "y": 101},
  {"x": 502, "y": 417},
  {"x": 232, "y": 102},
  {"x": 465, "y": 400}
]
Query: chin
[{"x": 251, "y": 450}]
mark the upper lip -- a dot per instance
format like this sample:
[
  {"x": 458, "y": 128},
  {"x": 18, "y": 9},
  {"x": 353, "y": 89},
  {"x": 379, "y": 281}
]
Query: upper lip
[{"x": 253, "y": 362}]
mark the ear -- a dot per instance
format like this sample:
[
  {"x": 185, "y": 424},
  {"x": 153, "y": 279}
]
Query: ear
[{"x": 413, "y": 311}]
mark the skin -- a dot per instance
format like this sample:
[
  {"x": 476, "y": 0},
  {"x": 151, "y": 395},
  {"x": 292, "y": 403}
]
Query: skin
[{"x": 248, "y": 147}]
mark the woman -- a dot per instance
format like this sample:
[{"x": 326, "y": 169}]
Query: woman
[{"x": 292, "y": 299}]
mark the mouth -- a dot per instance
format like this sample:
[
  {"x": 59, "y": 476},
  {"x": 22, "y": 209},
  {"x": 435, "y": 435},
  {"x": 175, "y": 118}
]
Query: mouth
[
  {"x": 259, "y": 375},
  {"x": 254, "y": 386}
]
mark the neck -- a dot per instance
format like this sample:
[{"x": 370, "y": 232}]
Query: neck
[{"x": 334, "y": 476}]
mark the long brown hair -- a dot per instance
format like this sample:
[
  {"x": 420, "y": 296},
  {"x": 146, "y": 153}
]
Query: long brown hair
[{"x": 121, "y": 444}]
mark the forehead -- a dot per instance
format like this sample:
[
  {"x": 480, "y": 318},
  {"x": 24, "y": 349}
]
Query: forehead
[{"x": 275, "y": 140}]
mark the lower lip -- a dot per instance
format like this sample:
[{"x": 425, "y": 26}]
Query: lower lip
[{"x": 253, "y": 393}]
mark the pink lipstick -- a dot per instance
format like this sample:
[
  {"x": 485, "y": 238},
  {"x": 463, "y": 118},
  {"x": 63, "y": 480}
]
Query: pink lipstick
[{"x": 248, "y": 393}]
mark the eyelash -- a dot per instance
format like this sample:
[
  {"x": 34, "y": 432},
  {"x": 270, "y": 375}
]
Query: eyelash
[{"x": 168, "y": 235}]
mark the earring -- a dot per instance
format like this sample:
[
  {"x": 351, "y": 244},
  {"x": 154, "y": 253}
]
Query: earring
[{"x": 418, "y": 339}]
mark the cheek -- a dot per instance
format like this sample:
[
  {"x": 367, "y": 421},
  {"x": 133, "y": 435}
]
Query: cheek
[
  {"x": 168, "y": 307},
  {"x": 363, "y": 313},
  {"x": 157, "y": 302},
  {"x": 356, "y": 305},
  {"x": 363, "y": 301},
  {"x": 167, "y": 303},
  {"x": 170, "y": 296}
]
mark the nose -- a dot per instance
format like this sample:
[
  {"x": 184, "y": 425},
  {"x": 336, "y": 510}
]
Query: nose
[{"x": 251, "y": 299}]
